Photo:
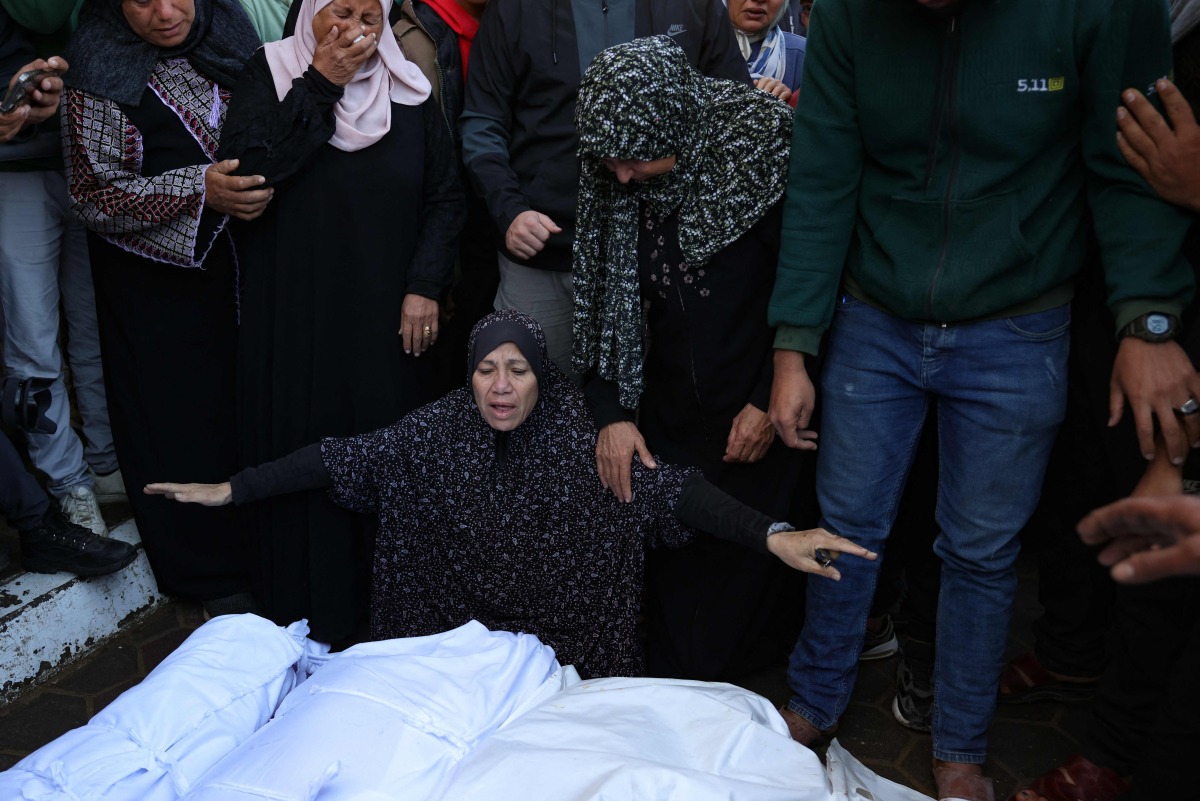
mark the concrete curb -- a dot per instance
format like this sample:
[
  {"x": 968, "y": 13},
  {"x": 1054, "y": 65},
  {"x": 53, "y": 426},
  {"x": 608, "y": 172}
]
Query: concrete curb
[{"x": 48, "y": 620}]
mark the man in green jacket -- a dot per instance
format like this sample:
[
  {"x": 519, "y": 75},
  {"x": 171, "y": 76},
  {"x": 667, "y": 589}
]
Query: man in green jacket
[{"x": 949, "y": 158}]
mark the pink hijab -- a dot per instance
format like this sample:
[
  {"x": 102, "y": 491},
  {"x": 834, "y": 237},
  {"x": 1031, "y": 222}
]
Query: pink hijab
[{"x": 364, "y": 114}]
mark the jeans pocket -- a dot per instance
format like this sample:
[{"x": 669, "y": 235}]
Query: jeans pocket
[
  {"x": 847, "y": 301},
  {"x": 1041, "y": 326}
]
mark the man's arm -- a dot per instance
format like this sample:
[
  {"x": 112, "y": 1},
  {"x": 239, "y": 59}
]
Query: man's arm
[
  {"x": 487, "y": 114},
  {"x": 1139, "y": 233},
  {"x": 818, "y": 219},
  {"x": 17, "y": 56}
]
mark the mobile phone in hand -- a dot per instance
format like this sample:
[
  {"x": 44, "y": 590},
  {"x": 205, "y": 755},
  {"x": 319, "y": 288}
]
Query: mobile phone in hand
[{"x": 23, "y": 88}]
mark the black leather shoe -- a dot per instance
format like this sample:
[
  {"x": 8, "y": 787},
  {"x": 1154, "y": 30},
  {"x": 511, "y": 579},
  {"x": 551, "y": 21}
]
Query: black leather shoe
[{"x": 57, "y": 545}]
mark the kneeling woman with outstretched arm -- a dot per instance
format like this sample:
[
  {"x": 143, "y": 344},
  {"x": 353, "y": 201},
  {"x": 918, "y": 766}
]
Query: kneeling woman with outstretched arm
[{"x": 490, "y": 509}]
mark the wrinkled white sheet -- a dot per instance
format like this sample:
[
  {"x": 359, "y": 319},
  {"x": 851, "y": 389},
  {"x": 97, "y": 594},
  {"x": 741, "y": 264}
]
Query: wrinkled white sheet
[
  {"x": 466, "y": 714},
  {"x": 626, "y": 738},
  {"x": 388, "y": 719},
  {"x": 854, "y": 781},
  {"x": 152, "y": 743}
]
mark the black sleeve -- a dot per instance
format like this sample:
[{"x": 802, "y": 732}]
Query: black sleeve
[
  {"x": 702, "y": 506},
  {"x": 300, "y": 470},
  {"x": 15, "y": 50},
  {"x": 486, "y": 125},
  {"x": 719, "y": 54},
  {"x": 603, "y": 398},
  {"x": 277, "y": 138},
  {"x": 444, "y": 207}
]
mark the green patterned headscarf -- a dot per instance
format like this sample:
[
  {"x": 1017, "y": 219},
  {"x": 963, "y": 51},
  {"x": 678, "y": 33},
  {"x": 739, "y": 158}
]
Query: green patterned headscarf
[{"x": 642, "y": 100}]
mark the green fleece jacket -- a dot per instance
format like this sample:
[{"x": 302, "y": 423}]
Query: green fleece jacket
[{"x": 944, "y": 164}]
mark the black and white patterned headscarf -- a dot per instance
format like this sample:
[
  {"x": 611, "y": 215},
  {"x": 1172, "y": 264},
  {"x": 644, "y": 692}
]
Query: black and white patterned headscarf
[{"x": 643, "y": 100}]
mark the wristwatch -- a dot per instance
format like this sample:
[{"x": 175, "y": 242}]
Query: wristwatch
[{"x": 1152, "y": 327}]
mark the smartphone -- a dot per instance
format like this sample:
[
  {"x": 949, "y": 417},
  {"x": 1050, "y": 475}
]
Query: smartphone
[{"x": 23, "y": 88}]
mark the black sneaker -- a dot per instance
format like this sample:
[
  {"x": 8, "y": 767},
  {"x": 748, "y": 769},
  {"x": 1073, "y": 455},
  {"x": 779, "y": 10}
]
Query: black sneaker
[
  {"x": 913, "y": 705},
  {"x": 880, "y": 644},
  {"x": 57, "y": 545}
]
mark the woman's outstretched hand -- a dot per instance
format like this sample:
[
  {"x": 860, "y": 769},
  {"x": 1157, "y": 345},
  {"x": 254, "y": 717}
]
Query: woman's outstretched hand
[
  {"x": 204, "y": 494},
  {"x": 798, "y": 549}
]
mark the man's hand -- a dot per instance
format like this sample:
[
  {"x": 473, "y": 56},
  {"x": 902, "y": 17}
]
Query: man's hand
[
  {"x": 614, "y": 457},
  {"x": 1156, "y": 378},
  {"x": 1148, "y": 538},
  {"x": 792, "y": 399},
  {"x": 418, "y": 323},
  {"x": 750, "y": 436},
  {"x": 338, "y": 56},
  {"x": 528, "y": 232},
  {"x": 798, "y": 549},
  {"x": 43, "y": 100},
  {"x": 12, "y": 122},
  {"x": 1167, "y": 156},
  {"x": 775, "y": 87},
  {"x": 235, "y": 195},
  {"x": 203, "y": 494}
]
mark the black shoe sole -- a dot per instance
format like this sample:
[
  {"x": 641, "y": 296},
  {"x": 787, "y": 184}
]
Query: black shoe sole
[{"x": 35, "y": 565}]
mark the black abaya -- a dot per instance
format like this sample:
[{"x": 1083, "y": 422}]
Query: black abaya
[
  {"x": 713, "y": 610},
  {"x": 327, "y": 266},
  {"x": 168, "y": 338}
]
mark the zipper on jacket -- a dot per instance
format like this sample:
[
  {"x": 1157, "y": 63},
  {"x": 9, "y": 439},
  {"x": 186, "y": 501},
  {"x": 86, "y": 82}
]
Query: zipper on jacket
[
  {"x": 604, "y": 15},
  {"x": 950, "y": 106}
]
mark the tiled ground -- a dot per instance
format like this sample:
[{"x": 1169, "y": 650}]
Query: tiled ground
[{"x": 1026, "y": 740}]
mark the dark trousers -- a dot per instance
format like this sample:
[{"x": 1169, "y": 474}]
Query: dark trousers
[
  {"x": 1091, "y": 465},
  {"x": 1146, "y": 720},
  {"x": 22, "y": 501}
]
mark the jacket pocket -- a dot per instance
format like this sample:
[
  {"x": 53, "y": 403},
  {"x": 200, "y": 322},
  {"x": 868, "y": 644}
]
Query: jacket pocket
[{"x": 952, "y": 263}]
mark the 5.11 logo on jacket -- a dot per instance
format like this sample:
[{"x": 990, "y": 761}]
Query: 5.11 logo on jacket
[{"x": 1041, "y": 84}]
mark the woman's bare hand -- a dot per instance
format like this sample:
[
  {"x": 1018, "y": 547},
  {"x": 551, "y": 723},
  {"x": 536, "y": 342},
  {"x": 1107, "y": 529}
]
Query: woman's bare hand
[
  {"x": 773, "y": 86},
  {"x": 418, "y": 323},
  {"x": 236, "y": 195},
  {"x": 340, "y": 55},
  {"x": 203, "y": 494},
  {"x": 798, "y": 549}
]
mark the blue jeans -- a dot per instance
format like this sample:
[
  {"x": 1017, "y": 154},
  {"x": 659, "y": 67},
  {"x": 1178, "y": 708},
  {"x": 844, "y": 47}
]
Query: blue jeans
[
  {"x": 45, "y": 274},
  {"x": 1000, "y": 390}
]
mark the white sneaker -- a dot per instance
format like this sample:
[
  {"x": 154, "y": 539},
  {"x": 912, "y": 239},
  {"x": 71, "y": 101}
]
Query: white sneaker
[
  {"x": 79, "y": 506},
  {"x": 109, "y": 488}
]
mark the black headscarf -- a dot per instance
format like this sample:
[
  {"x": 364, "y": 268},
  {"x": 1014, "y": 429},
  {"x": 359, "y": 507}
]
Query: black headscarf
[
  {"x": 109, "y": 60},
  {"x": 643, "y": 100},
  {"x": 485, "y": 339}
]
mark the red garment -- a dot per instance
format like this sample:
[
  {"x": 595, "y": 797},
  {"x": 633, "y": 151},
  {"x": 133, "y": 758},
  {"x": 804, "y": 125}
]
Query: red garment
[{"x": 462, "y": 23}]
